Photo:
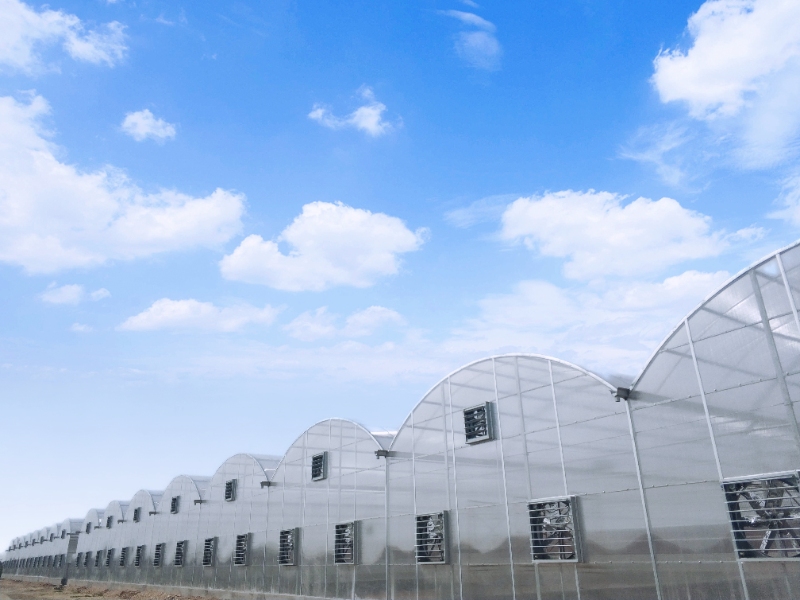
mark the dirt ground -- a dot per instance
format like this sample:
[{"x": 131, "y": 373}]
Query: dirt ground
[{"x": 27, "y": 590}]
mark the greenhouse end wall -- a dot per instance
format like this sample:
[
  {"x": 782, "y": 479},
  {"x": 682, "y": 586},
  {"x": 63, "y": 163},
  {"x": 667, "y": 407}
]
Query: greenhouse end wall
[{"x": 517, "y": 476}]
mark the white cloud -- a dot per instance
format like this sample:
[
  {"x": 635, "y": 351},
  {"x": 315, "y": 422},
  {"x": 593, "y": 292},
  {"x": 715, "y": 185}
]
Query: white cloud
[
  {"x": 312, "y": 325},
  {"x": 368, "y": 321},
  {"x": 81, "y": 328},
  {"x": 610, "y": 330},
  {"x": 65, "y": 294},
  {"x": 599, "y": 235},
  {"x": 54, "y": 216},
  {"x": 71, "y": 294},
  {"x": 26, "y": 32},
  {"x": 613, "y": 329},
  {"x": 367, "y": 118},
  {"x": 195, "y": 315},
  {"x": 480, "y": 48},
  {"x": 662, "y": 147},
  {"x": 142, "y": 125},
  {"x": 100, "y": 294},
  {"x": 471, "y": 19},
  {"x": 741, "y": 74},
  {"x": 317, "y": 324},
  {"x": 488, "y": 209},
  {"x": 330, "y": 245}
]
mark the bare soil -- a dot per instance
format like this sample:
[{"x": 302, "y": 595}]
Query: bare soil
[{"x": 28, "y": 590}]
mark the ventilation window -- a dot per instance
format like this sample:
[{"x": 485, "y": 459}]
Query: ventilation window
[
  {"x": 109, "y": 557},
  {"x": 158, "y": 553},
  {"x": 319, "y": 466},
  {"x": 137, "y": 560},
  {"x": 97, "y": 558},
  {"x": 240, "y": 554},
  {"x": 478, "y": 423},
  {"x": 79, "y": 559},
  {"x": 88, "y": 528},
  {"x": 137, "y": 515},
  {"x": 431, "y": 545},
  {"x": 52, "y": 536},
  {"x": 765, "y": 514},
  {"x": 208, "y": 552},
  {"x": 230, "y": 490},
  {"x": 287, "y": 547},
  {"x": 180, "y": 550},
  {"x": 63, "y": 533},
  {"x": 553, "y": 529},
  {"x": 123, "y": 557},
  {"x": 109, "y": 522},
  {"x": 173, "y": 506},
  {"x": 86, "y": 558},
  {"x": 344, "y": 550}
]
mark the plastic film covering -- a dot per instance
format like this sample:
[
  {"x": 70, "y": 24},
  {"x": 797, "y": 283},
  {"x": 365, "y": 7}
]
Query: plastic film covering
[{"x": 516, "y": 476}]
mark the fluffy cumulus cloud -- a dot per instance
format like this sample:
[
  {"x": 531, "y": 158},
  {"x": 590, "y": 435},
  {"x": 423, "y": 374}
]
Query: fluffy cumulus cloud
[
  {"x": 312, "y": 325},
  {"x": 600, "y": 235},
  {"x": 26, "y": 32},
  {"x": 610, "y": 329},
  {"x": 478, "y": 46},
  {"x": 142, "y": 125},
  {"x": 329, "y": 245},
  {"x": 319, "y": 323},
  {"x": 71, "y": 294},
  {"x": 368, "y": 321},
  {"x": 199, "y": 316},
  {"x": 55, "y": 216},
  {"x": 367, "y": 118},
  {"x": 741, "y": 74}
]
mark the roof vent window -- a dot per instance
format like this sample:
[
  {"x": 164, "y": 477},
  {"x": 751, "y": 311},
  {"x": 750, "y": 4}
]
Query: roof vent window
[
  {"x": 319, "y": 466},
  {"x": 86, "y": 558},
  {"x": 230, "y": 490},
  {"x": 345, "y": 544},
  {"x": 287, "y": 547},
  {"x": 97, "y": 558},
  {"x": 240, "y": 554},
  {"x": 137, "y": 515},
  {"x": 52, "y": 536},
  {"x": 109, "y": 557},
  {"x": 553, "y": 531},
  {"x": 174, "y": 505},
  {"x": 137, "y": 559},
  {"x": 764, "y": 514},
  {"x": 180, "y": 550},
  {"x": 109, "y": 522},
  {"x": 88, "y": 528},
  {"x": 123, "y": 557},
  {"x": 431, "y": 542},
  {"x": 478, "y": 423},
  {"x": 63, "y": 533},
  {"x": 158, "y": 554},
  {"x": 208, "y": 552},
  {"x": 78, "y": 559}
]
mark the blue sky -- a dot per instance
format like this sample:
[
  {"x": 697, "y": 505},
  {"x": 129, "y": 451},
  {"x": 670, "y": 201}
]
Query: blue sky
[{"x": 223, "y": 222}]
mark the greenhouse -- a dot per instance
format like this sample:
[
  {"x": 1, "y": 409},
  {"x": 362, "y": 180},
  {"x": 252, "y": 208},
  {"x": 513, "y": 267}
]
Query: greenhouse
[{"x": 516, "y": 476}]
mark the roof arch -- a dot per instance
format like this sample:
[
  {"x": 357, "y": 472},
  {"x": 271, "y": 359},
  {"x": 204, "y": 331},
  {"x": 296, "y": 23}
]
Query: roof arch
[
  {"x": 92, "y": 520},
  {"x": 794, "y": 246},
  {"x": 380, "y": 438},
  {"x": 143, "y": 499},
  {"x": 195, "y": 486},
  {"x": 491, "y": 359}
]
